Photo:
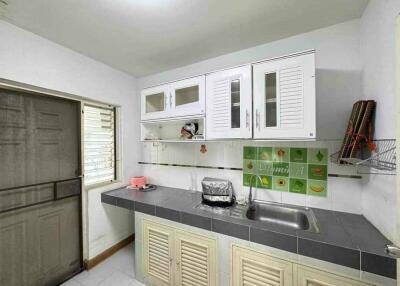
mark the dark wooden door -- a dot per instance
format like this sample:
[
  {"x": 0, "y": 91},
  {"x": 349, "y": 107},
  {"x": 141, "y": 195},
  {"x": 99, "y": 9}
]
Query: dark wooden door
[{"x": 40, "y": 207}]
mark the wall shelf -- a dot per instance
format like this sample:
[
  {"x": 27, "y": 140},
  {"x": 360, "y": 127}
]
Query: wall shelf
[
  {"x": 381, "y": 161},
  {"x": 169, "y": 130}
]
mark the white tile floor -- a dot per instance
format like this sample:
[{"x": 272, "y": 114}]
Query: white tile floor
[{"x": 117, "y": 270}]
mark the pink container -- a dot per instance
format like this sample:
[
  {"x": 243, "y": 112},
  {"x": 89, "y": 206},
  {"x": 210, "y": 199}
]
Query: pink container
[{"x": 139, "y": 181}]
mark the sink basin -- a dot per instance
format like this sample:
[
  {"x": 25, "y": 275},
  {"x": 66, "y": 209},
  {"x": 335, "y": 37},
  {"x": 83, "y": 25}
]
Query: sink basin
[{"x": 294, "y": 217}]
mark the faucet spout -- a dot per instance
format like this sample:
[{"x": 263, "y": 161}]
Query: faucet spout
[{"x": 251, "y": 205}]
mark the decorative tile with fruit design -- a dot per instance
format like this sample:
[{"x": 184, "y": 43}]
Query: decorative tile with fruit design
[{"x": 295, "y": 170}]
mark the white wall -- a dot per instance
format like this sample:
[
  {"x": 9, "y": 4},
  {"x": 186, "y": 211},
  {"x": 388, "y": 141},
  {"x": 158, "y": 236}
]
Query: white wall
[
  {"x": 378, "y": 49},
  {"x": 28, "y": 58},
  {"x": 338, "y": 83}
]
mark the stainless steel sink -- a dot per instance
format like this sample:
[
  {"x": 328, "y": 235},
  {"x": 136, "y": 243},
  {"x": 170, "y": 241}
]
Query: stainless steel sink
[
  {"x": 294, "y": 217},
  {"x": 299, "y": 218}
]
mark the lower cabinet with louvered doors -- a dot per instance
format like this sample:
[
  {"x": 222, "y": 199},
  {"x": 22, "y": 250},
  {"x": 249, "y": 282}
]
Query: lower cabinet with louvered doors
[
  {"x": 158, "y": 253},
  {"x": 195, "y": 260},
  {"x": 307, "y": 276},
  {"x": 178, "y": 258},
  {"x": 250, "y": 267}
]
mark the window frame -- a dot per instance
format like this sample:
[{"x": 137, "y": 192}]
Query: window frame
[{"x": 117, "y": 145}]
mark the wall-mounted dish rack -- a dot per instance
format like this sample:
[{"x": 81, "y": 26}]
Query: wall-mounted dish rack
[{"x": 381, "y": 161}]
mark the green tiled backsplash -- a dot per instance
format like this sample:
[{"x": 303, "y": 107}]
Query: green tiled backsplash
[{"x": 295, "y": 170}]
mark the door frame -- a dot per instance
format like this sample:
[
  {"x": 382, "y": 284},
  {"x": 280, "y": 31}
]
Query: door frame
[
  {"x": 34, "y": 90},
  {"x": 397, "y": 122}
]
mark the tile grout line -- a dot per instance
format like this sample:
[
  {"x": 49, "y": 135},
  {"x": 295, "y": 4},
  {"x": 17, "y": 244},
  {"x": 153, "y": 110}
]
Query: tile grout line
[{"x": 235, "y": 169}]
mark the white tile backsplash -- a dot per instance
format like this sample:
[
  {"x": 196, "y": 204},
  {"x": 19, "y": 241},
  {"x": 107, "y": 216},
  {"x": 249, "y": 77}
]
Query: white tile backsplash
[
  {"x": 294, "y": 199},
  {"x": 344, "y": 194}
]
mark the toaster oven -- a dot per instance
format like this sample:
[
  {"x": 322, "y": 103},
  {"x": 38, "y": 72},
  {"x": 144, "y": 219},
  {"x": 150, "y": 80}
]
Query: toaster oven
[{"x": 217, "y": 192}]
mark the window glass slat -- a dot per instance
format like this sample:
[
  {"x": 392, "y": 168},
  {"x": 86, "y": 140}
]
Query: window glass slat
[{"x": 99, "y": 145}]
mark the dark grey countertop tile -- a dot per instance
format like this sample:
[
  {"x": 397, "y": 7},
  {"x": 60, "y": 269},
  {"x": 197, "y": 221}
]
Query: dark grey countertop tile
[
  {"x": 107, "y": 199},
  {"x": 326, "y": 216},
  {"x": 329, "y": 233},
  {"x": 274, "y": 239},
  {"x": 125, "y": 203},
  {"x": 379, "y": 265},
  {"x": 364, "y": 234},
  {"x": 196, "y": 220},
  {"x": 145, "y": 208},
  {"x": 168, "y": 214},
  {"x": 328, "y": 252},
  {"x": 230, "y": 228},
  {"x": 273, "y": 227}
]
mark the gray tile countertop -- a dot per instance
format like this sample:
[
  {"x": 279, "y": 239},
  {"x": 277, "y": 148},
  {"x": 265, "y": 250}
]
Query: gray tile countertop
[{"x": 343, "y": 238}]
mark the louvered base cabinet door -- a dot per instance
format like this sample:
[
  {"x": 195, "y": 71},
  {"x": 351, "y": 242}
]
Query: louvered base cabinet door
[
  {"x": 312, "y": 277},
  {"x": 253, "y": 268},
  {"x": 158, "y": 253},
  {"x": 195, "y": 258}
]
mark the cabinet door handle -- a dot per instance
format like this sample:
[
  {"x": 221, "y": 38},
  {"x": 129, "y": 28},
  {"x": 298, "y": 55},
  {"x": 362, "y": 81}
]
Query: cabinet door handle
[
  {"x": 165, "y": 102},
  {"x": 257, "y": 119},
  {"x": 170, "y": 100},
  {"x": 247, "y": 119}
]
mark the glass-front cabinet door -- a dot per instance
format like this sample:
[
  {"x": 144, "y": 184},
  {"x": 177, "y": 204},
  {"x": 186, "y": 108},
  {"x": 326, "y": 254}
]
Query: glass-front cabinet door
[
  {"x": 155, "y": 102},
  {"x": 187, "y": 97},
  {"x": 229, "y": 103},
  {"x": 284, "y": 98}
]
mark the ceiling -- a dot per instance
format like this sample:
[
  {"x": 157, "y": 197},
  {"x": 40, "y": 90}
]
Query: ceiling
[{"x": 143, "y": 37}]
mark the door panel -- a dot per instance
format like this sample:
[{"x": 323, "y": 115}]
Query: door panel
[
  {"x": 229, "y": 99},
  {"x": 195, "y": 260},
  {"x": 251, "y": 267},
  {"x": 155, "y": 102},
  {"x": 13, "y": 140},
  {"x": 307, "y": 276},
  {"x": 47, "y": 155},
  {"x": 56, "y": 139},
  {"x": 18, "y": 248},
  {"x": 58, "y": 240},
  {"x": 40, "y": 234},
  {"x": 158, "y": 253},
  {"x": 187, "y": 97},
  {"x": 50, "y": 242},
  {"x": 18, "y": 198},
  {"x": 284, "y": 98}
]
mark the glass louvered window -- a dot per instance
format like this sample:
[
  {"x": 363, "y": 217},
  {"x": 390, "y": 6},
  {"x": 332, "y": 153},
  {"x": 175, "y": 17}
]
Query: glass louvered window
[{"x": 99, "y": 145}]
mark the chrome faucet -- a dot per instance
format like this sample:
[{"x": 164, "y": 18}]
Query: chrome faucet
[{"x": 251, "y": 205}]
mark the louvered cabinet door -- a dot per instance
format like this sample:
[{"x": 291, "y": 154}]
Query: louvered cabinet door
[
  {"x": 253, "y": 268},
  {"x": 195, "y": 260},
  {"x": 284, "y": 98},
  {"x": 158, "y": 253},
  {"x": 307, "y": 276},
  {"x": 229, "y": 100}
]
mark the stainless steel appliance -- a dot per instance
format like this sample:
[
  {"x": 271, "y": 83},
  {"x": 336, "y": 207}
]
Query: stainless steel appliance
[{"x": 217, "y": 192}]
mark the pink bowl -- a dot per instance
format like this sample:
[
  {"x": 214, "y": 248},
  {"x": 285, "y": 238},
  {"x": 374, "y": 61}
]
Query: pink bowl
[{"x": 138, "y": 181}]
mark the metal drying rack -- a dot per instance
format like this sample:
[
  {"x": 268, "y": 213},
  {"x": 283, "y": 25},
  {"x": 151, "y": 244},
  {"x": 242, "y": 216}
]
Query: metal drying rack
[{"x": 381, "y": 161}]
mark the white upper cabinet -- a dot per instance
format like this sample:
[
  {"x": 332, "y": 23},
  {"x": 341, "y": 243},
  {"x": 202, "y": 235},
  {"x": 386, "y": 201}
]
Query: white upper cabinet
[
  {"x": 284, "y": 98},
  {"x": 229, "y": 99},
  {"x": 155, "y": 102},
  {"x": 177, "y": 99},
  {"x": 187, "y": 97}
]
